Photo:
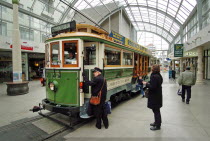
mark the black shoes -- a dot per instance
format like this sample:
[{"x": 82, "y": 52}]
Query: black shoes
[
  {"x": 99, "y": 127},
  {"x": 152, "y": 124},
  {"x": 187, "y": 102},
  {"x": 106, "y": 127},
  {"x": 143, "y": 96},
  {"x": 155, "y": 128},
  {"x": 183, "y": 100}
]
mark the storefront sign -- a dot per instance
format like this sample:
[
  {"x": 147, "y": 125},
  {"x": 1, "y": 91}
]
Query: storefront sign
[
  {"x": 25, "y": 47},
  {"x": 178, "y": 50},
  {"x": 117, "y": 37},
  {"x": 190, "y": 54}
]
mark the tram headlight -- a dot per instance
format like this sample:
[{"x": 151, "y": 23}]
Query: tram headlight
[{"x": 53, "y": 86}]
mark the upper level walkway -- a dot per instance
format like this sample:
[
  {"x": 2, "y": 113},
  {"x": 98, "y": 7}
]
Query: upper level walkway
[{"x": 130, "y": 119}]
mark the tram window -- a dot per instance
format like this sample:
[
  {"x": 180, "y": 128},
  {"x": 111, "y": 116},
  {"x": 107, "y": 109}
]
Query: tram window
[
  {"x": 112, "y": 56},
  {"x": 55, "y": 53},
  {"x": 47, "y": 55},
  {"x": 70, "y": 53},
  {"x": 127, "y": 58},
  {"x": 90, "y": 55}
]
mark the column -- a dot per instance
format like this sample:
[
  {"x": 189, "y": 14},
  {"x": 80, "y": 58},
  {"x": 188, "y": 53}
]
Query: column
[
  {"x": 200, "y": 66},
  {"x": 181, "y": 65},
  {"x": 16, "y": 46}
]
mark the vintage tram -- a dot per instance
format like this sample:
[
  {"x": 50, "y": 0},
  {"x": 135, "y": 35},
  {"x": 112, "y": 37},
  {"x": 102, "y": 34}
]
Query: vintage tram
[{"x": 70, "y": 54}]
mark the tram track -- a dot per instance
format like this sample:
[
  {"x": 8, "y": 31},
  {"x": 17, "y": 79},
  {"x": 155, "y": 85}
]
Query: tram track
[{"x": 9, "y": 132}]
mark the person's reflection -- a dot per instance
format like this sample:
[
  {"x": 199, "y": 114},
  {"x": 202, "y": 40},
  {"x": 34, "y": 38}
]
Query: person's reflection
[{"x": 71, "y": 58}]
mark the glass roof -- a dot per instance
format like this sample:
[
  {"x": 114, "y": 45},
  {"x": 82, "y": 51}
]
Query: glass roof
[{"x": 161, "y": 17}]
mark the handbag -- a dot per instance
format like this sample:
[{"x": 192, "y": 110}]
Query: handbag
[
  {"x": 95, "y": 100},
  {"x": 179, "y": 92},
  {"x": 146, "y": 92}
]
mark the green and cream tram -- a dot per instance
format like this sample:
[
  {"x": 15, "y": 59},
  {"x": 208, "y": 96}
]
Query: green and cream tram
[{"x": 88, "y": 46}]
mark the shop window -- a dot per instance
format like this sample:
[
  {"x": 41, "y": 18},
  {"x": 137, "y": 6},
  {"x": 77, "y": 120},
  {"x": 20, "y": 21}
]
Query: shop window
[
  {"x": 3, "y": 29},
  {"x": 112, "y": 56},
  {"x": 70, "y": 54},
  {"x": 55, "y": 61},
  {"x": 26, "y": 34},
  {"x": 90, "y": 55},
  {"x": 127, "y": 58}
]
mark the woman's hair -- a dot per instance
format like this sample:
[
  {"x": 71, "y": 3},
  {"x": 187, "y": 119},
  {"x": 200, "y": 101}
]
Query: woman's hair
[{"x": 156, "y": 69}]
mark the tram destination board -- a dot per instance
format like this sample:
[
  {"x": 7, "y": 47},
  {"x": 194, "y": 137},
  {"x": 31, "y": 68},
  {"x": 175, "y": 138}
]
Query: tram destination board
[{"x": 62, "y": 28}]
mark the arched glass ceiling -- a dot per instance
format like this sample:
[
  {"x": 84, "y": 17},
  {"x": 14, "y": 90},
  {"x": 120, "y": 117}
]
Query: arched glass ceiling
[{"x": 163, "y": 17}]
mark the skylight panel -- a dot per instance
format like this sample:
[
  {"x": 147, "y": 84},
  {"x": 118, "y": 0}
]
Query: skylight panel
[
  {"x": 172, "y": 12},
  {"x": 162, "y": 7}
]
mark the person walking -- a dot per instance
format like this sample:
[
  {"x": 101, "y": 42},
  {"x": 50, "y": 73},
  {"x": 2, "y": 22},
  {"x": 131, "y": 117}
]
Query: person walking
[
  {"x": 186, "y": 79},
  {"x": 98, "y": 83},
  {"x": 155, "y": 96}
]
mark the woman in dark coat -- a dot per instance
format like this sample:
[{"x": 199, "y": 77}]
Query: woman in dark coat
[
  {"x": 98, "y": 83},
  {"x": 155, "y": 101}
]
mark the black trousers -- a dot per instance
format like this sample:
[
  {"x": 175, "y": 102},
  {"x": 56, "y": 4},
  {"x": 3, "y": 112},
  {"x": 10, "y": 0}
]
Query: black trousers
[
  {"x": 101, "y": 116},
  {"x": 188, "y": 88},
  {"x": 157, "y": 116}
]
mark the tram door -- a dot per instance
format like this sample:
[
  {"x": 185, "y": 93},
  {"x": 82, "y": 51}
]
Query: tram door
[{"x": 90, "y": 60}]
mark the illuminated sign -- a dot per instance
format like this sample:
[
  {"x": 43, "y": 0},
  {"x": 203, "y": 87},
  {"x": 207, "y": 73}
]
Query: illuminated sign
[{"x": 62, "y": 28}]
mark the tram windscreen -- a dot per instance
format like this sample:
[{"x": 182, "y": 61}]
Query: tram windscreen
[{"x": 70, "y": 53}]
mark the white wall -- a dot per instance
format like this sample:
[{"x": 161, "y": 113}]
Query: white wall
[{"x": 202, "y": 38}]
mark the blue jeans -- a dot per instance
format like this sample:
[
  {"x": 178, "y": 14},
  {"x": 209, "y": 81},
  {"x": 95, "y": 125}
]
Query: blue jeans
[
  {"x": 142, "y": 91},
  {"x": 140, "y": 87}
]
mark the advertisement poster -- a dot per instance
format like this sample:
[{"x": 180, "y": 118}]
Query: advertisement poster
[{"x": 178, "y": 50}]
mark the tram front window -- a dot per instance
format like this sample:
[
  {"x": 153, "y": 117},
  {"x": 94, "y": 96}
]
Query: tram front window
[
  {"x": 70, "y": 53},
  {"x": 55, "y": 53}
]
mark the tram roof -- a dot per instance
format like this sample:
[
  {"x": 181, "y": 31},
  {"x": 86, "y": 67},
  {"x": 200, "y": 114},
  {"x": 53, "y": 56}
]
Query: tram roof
[{"x": 97, "y": 38}]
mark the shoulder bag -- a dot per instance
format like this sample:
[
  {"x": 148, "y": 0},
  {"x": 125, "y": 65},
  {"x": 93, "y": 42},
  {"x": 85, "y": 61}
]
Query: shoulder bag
[{"x": 95, "y": 100}]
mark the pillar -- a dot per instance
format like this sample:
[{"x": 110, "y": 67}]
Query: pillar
[
  {"x": 200, "y": 66},
  {"x": 16, "y": 46},
  {"x": 17, "y": 87}
]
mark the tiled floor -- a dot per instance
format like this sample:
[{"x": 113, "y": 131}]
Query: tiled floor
[{"x": 129, "y": 120}]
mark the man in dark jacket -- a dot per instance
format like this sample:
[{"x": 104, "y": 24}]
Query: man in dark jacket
[
  {"x": 155, "y": 96},
  {"x": 98, "y": 83}
]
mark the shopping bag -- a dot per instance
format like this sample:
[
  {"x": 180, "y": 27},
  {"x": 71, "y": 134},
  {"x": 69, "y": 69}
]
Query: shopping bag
[
  {"x": 107, "y": 107},
  {"x": 146, "y": 92},
  {"x": 179, "y": 92}
]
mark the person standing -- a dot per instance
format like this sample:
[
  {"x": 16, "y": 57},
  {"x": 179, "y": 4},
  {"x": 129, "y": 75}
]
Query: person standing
[
  {"x": 140, "y": 84},
  {"x": 186, "y": 79},
  {"x": 98, "y": 83},
  {"x": 155, "y": 96}
]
